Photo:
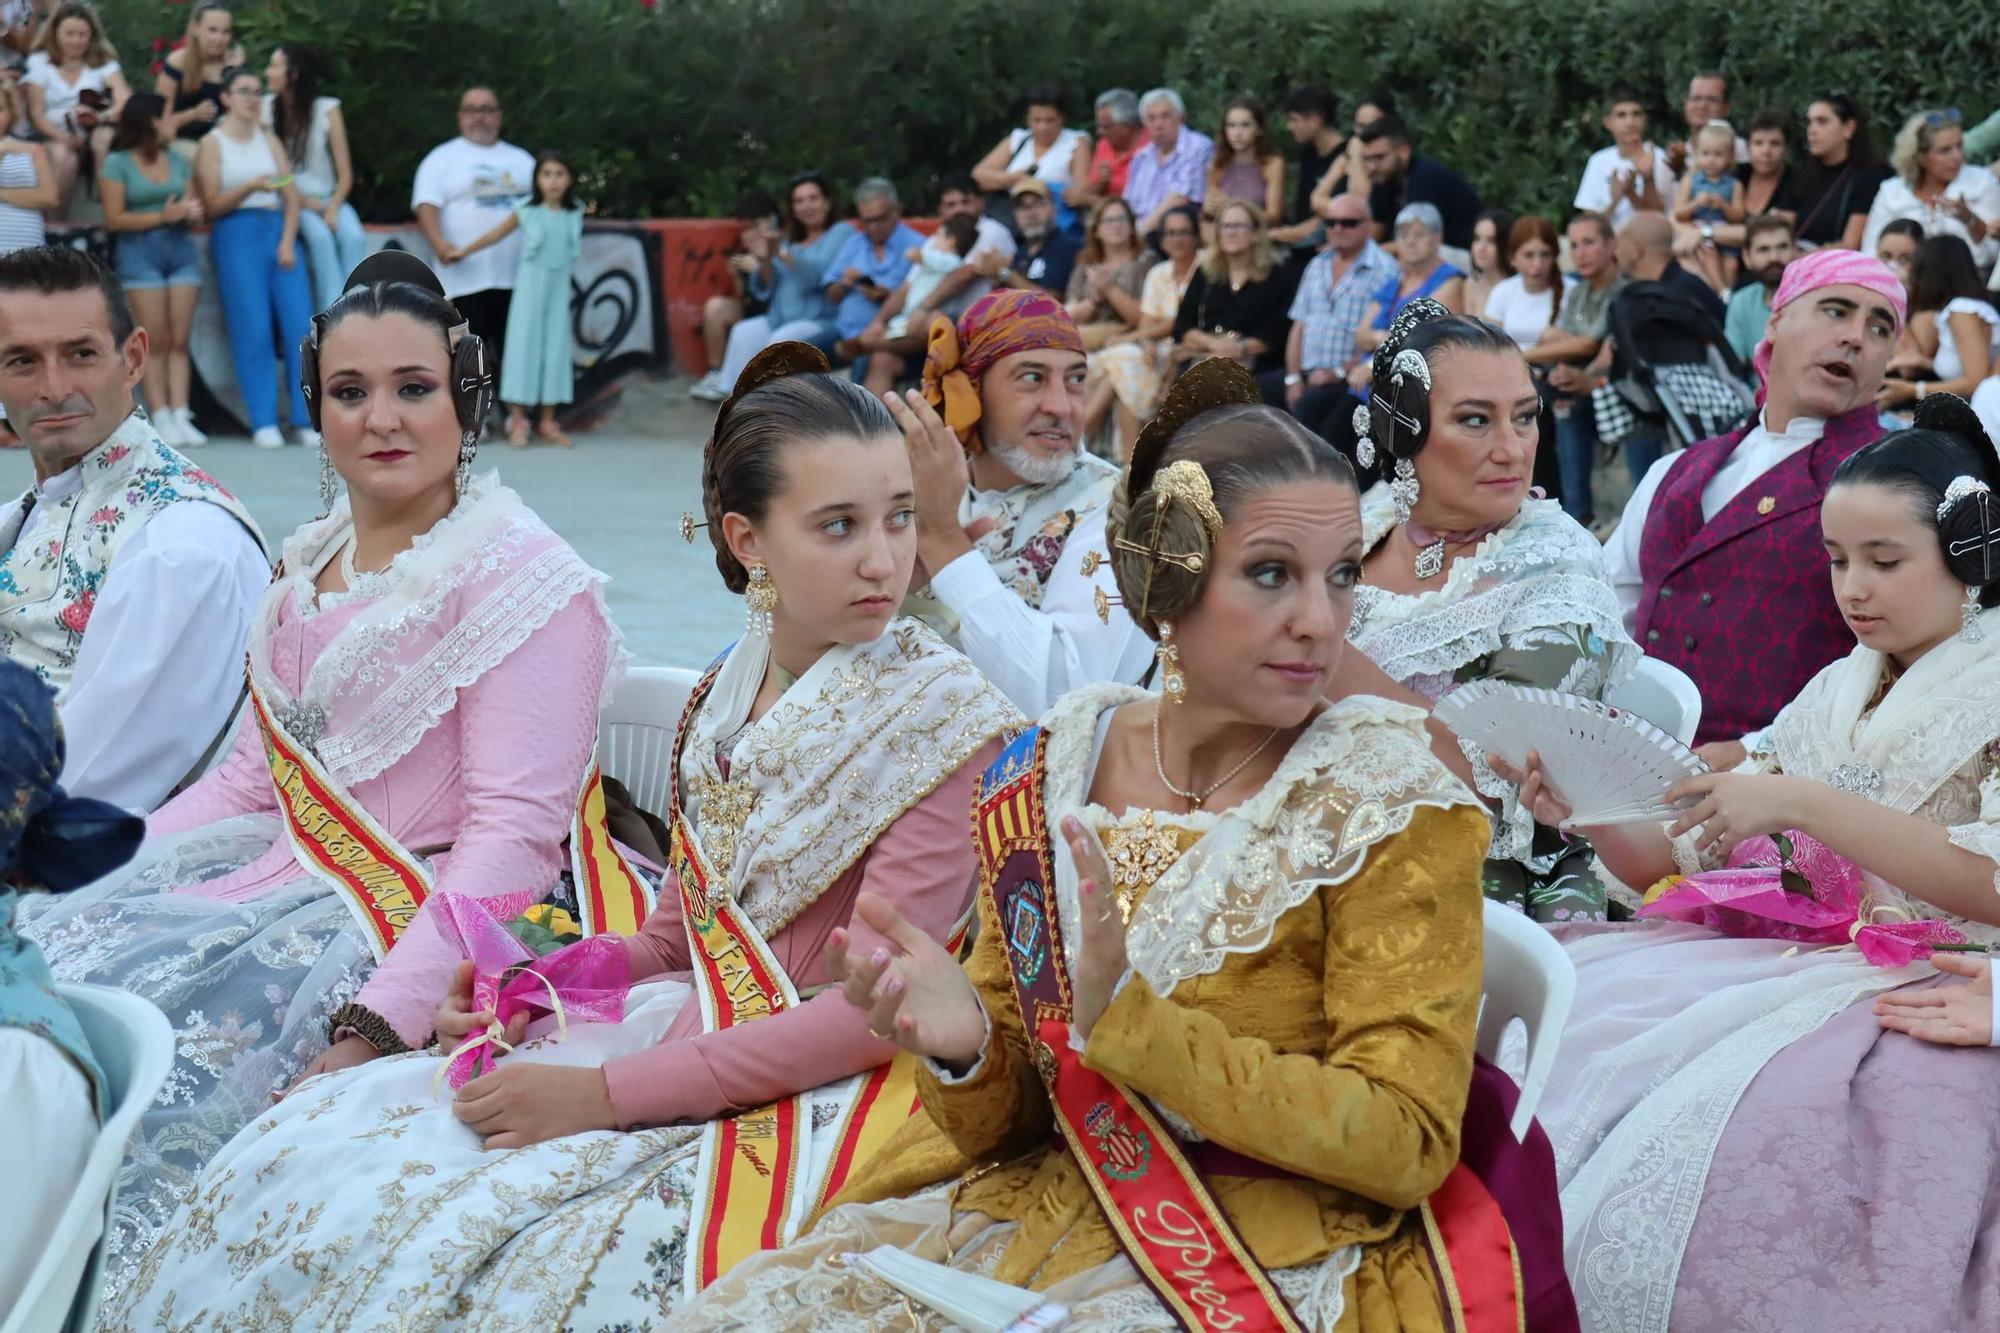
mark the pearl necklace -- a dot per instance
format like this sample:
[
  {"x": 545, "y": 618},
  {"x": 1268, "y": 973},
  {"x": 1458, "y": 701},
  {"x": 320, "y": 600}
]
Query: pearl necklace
[{"x": 1196, "y": 799}]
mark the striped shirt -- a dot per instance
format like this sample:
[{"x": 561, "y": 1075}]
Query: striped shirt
[
  {"x": 1183, "y": 171},
  {"x": 20, "y": 228}
]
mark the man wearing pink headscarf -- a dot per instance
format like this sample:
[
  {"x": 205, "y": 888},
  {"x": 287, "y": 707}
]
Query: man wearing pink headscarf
[{"x": 1718, "y": 559}]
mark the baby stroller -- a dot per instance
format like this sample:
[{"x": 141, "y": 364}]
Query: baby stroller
[{"x": 1673, "y": 366}]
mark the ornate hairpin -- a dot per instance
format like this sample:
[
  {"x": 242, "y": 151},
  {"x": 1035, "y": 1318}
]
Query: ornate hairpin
[
  {"x": 689, "y": 527},
  {"x": 1364, "y": 442},
  {"x": 1103, "y": 602},
  {"x": 1961, "y": 486},
  {"x": 1187, "y": 481}
]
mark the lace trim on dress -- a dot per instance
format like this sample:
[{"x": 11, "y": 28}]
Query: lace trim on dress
[
  {"x": 1354, "y": 778},
  {"x": 831, "y": 766}
]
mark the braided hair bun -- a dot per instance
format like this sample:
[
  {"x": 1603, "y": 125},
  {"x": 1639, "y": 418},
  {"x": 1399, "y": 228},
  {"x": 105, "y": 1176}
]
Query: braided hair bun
[
  {"x": 1969, "y": 510},
  {"x": 1398, "y": 415}
]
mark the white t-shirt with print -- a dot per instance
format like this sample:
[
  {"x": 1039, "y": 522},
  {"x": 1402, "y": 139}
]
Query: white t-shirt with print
[{"x": 474, "y": 188}]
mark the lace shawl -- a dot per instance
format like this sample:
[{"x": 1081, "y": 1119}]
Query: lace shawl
[
  {"x": 1930, "y": 748},
  {"x": 1540, "y": 580},
  {"x": 444, "y": 612},
  {"x": 867, "y": 733},
  {"x": 1354, "y": 779}
]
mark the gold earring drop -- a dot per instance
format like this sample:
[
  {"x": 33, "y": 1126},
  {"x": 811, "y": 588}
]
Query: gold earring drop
[
  {"x": 1172, "y": 683},
  {"x": 761, "y": 598}
]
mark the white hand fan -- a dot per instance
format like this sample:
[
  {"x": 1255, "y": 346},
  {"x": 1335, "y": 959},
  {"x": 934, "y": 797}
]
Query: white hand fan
[
  {"x": 967, "y": 1299},
  {"x": 1611, "y": 765}
]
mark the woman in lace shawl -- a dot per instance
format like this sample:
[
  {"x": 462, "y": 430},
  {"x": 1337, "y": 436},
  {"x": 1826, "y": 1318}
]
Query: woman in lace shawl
[
  {"x": 442, "y": 654},
  {"x": 1470, "y": 575},
  {"x": 589, "y": 1182},
  {"x": 1742, "y": 1143},
  {"x": 1254, "y": 1002}
]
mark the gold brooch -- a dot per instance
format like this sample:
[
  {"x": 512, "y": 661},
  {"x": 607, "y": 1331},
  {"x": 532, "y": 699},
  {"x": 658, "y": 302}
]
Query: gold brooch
[
  {"x": 1767, "y": 504},
  {"x": 724, "y": 810},
  {"x": 1138, "y": 855}
]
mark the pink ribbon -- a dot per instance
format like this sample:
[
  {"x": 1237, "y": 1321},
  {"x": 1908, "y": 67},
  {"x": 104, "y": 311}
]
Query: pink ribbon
[
  {"x": 585, "y": 980},
  {"x": 1751, "y": 900}
]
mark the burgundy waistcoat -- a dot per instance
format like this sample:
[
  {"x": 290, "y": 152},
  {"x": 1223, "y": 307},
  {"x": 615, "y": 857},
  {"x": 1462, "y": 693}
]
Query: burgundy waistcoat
[{"x": 1743, "y": 603}]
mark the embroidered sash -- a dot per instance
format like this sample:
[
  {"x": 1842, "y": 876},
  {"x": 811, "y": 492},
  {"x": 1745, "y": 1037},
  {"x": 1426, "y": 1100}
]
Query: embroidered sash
[
  {"x": 758, "y": 1185},
  {"x": 1151, "y": 1194},
  {"x": 338, "y": 842}
]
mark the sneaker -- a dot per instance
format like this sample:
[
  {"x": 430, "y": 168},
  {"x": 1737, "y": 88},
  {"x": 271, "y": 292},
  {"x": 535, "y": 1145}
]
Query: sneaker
[
  {"x": 168, "y": 427},
  {"x": 184, "y": 418},
  {"x": 709, "y": 388},
  {"x": 268, "y": 437}
]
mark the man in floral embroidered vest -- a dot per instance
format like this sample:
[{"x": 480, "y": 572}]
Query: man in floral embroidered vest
[
  {"x": 127, "y": 575},
  {"x": 1009, "y": 506},
  {"x": 1718, "y": 559}
]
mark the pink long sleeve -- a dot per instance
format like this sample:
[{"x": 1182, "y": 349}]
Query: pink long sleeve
[
  {"x": 661, "y": 944},
  {"x": 526, "y": 729},
  {"x": 239, "y": 785},
  {"x": 924, "y": 864}
]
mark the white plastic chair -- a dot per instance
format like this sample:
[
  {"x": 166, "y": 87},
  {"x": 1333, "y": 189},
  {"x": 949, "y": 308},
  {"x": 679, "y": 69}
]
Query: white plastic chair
[
  {"x": 635, "y": 733},
  {"x": 134, "y": 1047},
  {"x": 1529, "y": 977},
  {"x": 1661, "y": 693}
]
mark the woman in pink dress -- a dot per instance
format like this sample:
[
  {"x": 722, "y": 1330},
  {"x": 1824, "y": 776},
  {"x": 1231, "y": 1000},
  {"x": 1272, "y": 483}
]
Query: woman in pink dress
[
  {"x": 591, "y": 1181},
  {"x": 440, "y": 655}
]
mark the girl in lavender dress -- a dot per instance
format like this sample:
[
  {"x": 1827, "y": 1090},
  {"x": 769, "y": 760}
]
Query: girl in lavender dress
[{"x": 1741, "y": 1142}]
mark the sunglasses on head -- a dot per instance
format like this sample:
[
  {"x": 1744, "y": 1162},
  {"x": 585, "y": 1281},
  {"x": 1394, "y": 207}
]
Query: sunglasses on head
[{"x": 1948, "y": 116}]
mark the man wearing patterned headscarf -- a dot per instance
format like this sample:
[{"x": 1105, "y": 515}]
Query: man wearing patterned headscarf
[
  {"x": 1008, "y": 504},
  {"x": 1718, "y": 559}
]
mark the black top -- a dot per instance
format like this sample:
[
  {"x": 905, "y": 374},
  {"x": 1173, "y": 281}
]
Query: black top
[
  {"x": 1311, "y": 165},
  {"x": 1784, "y": 199},
  {"x": 183, "y": 101},
  {"x": 1829, "y": 196},
  {"x": 1668, "y": 334},
  {"x": 1048, "y": 264},
  {"x": 1254, "y": 310},
  {"x": 1429, "y": 181}
]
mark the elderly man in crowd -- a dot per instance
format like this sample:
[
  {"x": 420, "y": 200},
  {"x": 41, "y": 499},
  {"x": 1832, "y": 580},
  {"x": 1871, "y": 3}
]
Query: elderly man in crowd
[
  {"x": 897, "y": 331},
  {"x": 1718, "y": 561},
  {"x": 1172, "y": 168},
  {"x": 127, "y": 575},
  {"x": 1009, "y": 506},
  {"x": 1046, "y": 255},
  {"x": 1120, "y": 134},
  {"x": 464, "y": 188},
  {"x": 1328, "y": 307},
  {"x": 1399, "y": 176},
  {"x": 871, "y": 265}
]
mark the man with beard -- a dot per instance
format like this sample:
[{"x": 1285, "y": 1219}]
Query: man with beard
[
  {"x": 127, "y": 575},
  {"x": 1009, "y": 506},
  {"x": 1718, "y": 559},
  {"x": 1767, "y": 247},
  {"x": 1046, "y": 256}
]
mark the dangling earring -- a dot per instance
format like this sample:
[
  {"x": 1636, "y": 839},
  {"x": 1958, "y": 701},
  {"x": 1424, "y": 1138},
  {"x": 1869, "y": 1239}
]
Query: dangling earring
[
  {"x": 1172, "y": 683},
  {"x": 467, "y": 447},
  {"x": 1403, "y": 490},
  {"x": 1968, "y": 616},
  {"x": 1364, "y": 443},
  {"x": 761, "y": 598},
  {"x": 327, "y": 482}
]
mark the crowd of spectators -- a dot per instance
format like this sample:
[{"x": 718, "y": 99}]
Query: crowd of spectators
[{"x": 1169, "y": 244}]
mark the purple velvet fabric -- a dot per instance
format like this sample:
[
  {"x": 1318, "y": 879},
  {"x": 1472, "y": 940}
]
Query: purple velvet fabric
[
  {"x": 1521, "y": 1176},
  {"x": 1742, "y": 602}
]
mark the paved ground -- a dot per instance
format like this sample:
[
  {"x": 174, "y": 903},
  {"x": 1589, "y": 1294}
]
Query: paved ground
[{"x": 617, "y": 496}]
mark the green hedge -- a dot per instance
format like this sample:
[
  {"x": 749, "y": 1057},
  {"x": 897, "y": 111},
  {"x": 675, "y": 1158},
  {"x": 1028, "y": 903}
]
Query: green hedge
[{"x": 671, "y": 108}]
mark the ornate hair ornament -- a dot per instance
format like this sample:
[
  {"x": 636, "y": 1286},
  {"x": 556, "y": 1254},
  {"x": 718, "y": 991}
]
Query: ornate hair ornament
[
  {"x": 1207, "y": 384},
  {"x": 776, "y": 362},
  {"x": 1962, "y": 487}
]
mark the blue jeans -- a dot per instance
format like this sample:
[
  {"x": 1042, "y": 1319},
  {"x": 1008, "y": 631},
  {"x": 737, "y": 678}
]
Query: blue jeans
[
  {"x": 261, "y": 301},
  {"x": 1643, "y": 448},
  {"x": 331, "y": 252},
  {"x": 1576, "y": 457}
]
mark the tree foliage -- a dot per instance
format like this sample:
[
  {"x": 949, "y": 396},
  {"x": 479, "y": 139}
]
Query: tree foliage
[{"x": 672, "y": 108}]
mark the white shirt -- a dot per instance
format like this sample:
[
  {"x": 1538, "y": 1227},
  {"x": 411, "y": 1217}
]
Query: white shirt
[
  {"x": 1977, "y": 186},
  {"x": 1949, "y": 363},
  {"x": 1759, "y": 452},
  {"x": 315, "y": 176},
  {"x": 1035, "y": 656},
  {"x": 993, "y": 238},
  {"x": 474, "y": 188},
  {"x": 1521, "y": 314},
  {"x": 160, "y": 669},
  {"x": 60, "y": 97},
  {"x": 1607, "y": 165},
  {"x": 1986, "y": 402}
]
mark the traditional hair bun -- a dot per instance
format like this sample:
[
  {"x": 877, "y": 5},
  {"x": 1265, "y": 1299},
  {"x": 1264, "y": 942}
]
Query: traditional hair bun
[
  {"x": 1399, "y": 391},
  {"x": 1969, "y": 515}
]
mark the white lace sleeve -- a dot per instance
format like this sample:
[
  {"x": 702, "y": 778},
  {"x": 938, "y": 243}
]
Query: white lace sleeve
[{"x": 1982, "y": 838}]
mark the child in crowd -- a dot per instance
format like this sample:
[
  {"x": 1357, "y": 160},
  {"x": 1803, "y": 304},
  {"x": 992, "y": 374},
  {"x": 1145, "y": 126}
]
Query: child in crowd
[
  {"x": 929, "y": 264},
  {"x": 537, "y": 364},
  {"x": 1631, "y": 175},
  {"x": 1710, "y": 194}
]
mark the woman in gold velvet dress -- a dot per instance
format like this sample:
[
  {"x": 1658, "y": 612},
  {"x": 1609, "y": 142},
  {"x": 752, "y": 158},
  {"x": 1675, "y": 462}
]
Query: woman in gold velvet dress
[{"x": 1254, "y": 968}]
